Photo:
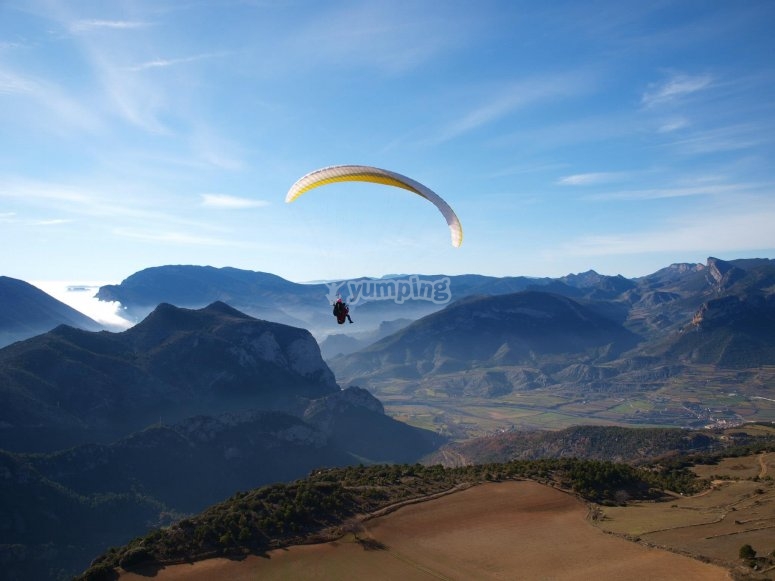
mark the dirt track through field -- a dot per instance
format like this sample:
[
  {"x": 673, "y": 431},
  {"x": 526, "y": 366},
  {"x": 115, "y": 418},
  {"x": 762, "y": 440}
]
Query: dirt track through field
[{"x": 510, "y": 530}]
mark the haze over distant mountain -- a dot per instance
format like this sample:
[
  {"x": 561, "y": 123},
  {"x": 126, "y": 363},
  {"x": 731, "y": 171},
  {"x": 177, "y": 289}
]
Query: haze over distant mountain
[
  {"x": 689, "y": 345},
  {"x": 273, "y": 298},
  {"x": 480, "y": 336},
  {"x": 260, "y": 294},
  {"x": 26, "y": 311},
  {"x": 344, "y": 343},
  {"x": 649, "y": 305}
]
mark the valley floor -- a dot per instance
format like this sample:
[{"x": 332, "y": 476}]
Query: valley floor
[{"x": 508, "y": 530}]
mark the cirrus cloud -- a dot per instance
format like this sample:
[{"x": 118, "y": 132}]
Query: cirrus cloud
[{"x": 227, "y": 202}]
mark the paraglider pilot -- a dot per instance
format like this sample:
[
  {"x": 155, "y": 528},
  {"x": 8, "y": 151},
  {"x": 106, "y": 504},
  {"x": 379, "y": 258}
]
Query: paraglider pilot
[{"x": 341, "y": 311}]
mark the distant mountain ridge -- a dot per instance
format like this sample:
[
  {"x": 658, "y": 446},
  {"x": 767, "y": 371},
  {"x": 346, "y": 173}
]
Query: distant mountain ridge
[
  {"x": 679, "y": 344},
  {"x": 524, "y": 328},
  {"x": 273, "y": 298},
  {"x": 660, "y": 311},
  {"x": 26, "y": 311},
  {"x": 649, "y": 305}
]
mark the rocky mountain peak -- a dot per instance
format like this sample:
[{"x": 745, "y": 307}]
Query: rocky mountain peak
[
  {"x": 683, "y": 267},
  {"x": 582, "y": 279},
  {"x": 723, "y": 274}
]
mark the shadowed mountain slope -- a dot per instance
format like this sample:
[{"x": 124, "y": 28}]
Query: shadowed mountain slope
[
  {"x": 61, "y": 509},
  {"x": 69, "y": 385},
  {"x": 730, "y": 332},
  {"x": 26, "y": 311}
]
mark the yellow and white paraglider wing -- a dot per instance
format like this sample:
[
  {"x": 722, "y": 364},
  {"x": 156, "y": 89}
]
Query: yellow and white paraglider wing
[{"x": 362, "y": 173}]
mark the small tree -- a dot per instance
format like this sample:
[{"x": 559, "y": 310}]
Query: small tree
[
  {"x": 353, "y": 526},
  {"x": 747, "y": 552}
]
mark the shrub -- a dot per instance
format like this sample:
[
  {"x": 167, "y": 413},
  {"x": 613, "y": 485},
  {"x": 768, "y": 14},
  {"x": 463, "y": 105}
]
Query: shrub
[
  {"x": 747, "y": 552},
  {"x": 100, "y": 572},
  {"x": 133, "y": 557}
]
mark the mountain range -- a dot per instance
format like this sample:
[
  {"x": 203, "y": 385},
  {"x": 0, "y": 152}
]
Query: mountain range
[
  {"x": 688, "y": 345},
  {"x": 270, "y": 297},
  {"x": 499, "y": 336},
  {"x": 105, "y": 434},
  {"x": 529, "y": 328},
  {"x": 121, "y": 431}
]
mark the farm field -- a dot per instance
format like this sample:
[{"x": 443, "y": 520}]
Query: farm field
[
  {"x": 476, "y": 417},
  {"x": 509, "y": 530},
  {"x": 738, "y": 510}
]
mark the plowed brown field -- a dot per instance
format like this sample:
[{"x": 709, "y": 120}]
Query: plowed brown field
[{"x": 510, "y": 530}]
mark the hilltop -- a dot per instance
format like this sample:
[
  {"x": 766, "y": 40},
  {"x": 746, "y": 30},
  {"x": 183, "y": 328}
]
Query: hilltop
[
  {"x": 329, "y": 504},
  {"x": 318, "y": 507}
]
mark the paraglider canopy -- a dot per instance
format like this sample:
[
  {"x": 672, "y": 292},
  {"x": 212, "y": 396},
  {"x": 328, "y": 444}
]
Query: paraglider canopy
[{"x": 364, "y": 173}]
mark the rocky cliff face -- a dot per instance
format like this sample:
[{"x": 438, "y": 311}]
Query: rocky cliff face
[
  {"x": 723, "y": 274},
  {"x": 731, "y": 311}
]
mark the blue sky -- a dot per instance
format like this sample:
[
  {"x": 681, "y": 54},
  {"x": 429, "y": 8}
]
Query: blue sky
[{"x": 619, "y": 136}]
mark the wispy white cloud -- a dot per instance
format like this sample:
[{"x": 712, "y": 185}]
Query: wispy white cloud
[
  {"x": 171, "y": 62},
  {"x": 389, "y": 37},
  {"x": 526, "y": 169},
  {"x": 30, "y": 190},
  {"x": 173, "y": 237},
  {"x": 672, "y": 124},
  {"x": 224, "y": 201},
  {"x": 719, "y": 139},
  {"x": 12, "y": 83},
  {"x": 103, "y": 203},
  {"x": 13, "y": 218},
  {"x": 132, "y": 99},
  {"x": 587, "y": 179},
  {"x": 730, "y": 232},
  {"x": 676, "y": 87},
  {"x": 51, "y": 222},
  {"x": 699, "y": 189},
  {"x": 105, "y": 61},
  {"x": 96, "y": 24},
  {"x": 48, "y": 105},
  {"x": 215, "y": 150},
  {"x": 514, "y": 96}
]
